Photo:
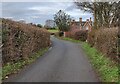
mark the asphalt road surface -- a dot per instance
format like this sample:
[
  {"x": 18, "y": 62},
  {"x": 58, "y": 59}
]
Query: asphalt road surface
[{"x": 64, "y": 62}]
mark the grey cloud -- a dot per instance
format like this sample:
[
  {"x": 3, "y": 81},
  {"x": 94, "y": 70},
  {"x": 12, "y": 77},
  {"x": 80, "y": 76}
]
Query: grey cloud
[
  {"x": 21, "y": 10},
  {"x": 71, "y": 7}
]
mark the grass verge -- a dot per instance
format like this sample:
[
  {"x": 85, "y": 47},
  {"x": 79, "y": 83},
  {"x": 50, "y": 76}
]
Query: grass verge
[
  {"x": 11, "y": 68},
  {"x": 107, "y": 69},
  {"x": 69, "y": 39},
  {"x": 53, "y": 30}
]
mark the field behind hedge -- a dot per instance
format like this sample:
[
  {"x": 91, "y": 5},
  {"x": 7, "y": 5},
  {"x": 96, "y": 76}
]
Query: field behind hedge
[{"x": 21, "y": 40}]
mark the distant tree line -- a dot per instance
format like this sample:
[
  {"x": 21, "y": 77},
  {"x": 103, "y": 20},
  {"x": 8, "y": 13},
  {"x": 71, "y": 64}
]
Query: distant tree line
[{"x": 39, "y": 25}]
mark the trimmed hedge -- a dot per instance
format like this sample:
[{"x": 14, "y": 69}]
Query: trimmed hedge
[
  {"x": 105, "y": 40},
  {"x": 81, "y": 35},
  {"x": 91, "y": 37},
  {"x": 21, "y": 40},
  {"x": 119, "y": 42}
]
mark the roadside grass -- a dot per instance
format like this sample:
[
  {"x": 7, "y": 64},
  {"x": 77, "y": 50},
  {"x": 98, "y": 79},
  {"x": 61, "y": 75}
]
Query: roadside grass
[
  {"x": 53, "y": 30},
  {"x": 107, "y": 70},
  {"x": 11, "y": 68}
]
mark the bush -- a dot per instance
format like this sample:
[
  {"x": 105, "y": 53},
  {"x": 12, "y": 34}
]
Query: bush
[
  {"x": 61, "y": 33},
  {"x": 105, "y": 40},
  {"x": 119, "y": 47},
  {"x": 91, "y": 37},
  {"x": 81, "y": 35},
  {"x": 119, "y": 42},
  {"x": 56, "y": 34},
  {"x": 21, "y": 40}
]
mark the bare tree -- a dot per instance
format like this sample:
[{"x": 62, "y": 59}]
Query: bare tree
[{"x": 105, "y": 14}]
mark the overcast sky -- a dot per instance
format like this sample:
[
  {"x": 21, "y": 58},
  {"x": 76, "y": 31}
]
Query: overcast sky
[{"x": 39, "y": 12}]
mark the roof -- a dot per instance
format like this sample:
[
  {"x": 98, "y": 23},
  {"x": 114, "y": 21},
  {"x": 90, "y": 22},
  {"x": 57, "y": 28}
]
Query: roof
[{"x": 77, "y": 23}]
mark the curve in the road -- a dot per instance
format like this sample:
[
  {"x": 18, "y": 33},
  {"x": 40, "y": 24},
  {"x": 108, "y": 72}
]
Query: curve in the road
[{"x": 65, "y": 62}]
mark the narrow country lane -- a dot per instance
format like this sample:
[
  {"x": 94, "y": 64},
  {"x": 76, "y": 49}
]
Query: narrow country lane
[{"x": 64, "y": 62}]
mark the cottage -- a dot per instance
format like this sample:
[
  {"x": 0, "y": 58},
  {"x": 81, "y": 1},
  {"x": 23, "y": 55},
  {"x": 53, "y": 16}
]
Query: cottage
[{"x": 79, "y": 25}]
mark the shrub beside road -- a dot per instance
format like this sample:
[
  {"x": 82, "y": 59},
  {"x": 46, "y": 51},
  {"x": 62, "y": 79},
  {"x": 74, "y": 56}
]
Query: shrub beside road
[{"x": 20, "y": 41}]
